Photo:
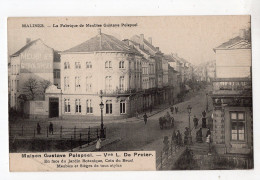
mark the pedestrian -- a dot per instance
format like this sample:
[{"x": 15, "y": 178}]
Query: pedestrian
[
  {"x": 179, "y": 138},
  {"x": 186, "y": 135},
  {"x": 172, "y": 109},
  {"x": 176, "y": 109},
  {"x": 208, "y": 132},
  {"x": 98, "y": 144},
  {"x": 204, "y": 113},
  {"x": 204, "y": 122},
  {"x": 51, "y": 128},
  {"x": 199, "y": 136},
  {"x": 195, "y": 121},
  {"x": 145, "y": 118},
  {"x": 151, "y": 108},
  {"x": 38, "y": 128}
]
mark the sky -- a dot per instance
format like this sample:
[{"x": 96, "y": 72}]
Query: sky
[{"x": 191, "y": 37}]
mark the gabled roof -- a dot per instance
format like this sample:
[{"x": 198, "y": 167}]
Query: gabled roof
[
  {"x": 29, "y": 44},
  {"x": 140, "y": 50},
  {"x": 101, "y": 42},
  {"x": 24, "y": 48},
  {"x": 235, "y": 43}
]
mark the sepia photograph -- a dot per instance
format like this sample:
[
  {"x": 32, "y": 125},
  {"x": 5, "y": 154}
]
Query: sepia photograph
[{"x": 133, "y": 92}]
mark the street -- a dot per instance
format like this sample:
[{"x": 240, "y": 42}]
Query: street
[{"x": 138, "y": 136}]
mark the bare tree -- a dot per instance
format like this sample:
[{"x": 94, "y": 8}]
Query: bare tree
[
  {"x": 31, "y": 88},
  {"x": 44, "y": 84}
]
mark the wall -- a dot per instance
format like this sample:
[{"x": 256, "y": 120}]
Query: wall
[
  {"x": 233, "y": 63},
  {"x": 36, "y": 109}
]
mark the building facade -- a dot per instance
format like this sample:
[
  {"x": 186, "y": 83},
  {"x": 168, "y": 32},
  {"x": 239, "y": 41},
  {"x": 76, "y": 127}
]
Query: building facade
[
  {"x": 102, "y": 66},
  {"x": 30, "y": 68},
  {"x": 232, "y": 100}
]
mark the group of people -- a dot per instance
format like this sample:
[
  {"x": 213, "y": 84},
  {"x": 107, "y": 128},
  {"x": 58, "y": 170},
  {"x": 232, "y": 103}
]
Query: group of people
[
  {"x": 38, "y": 128},
  {"x": 176, "y": 109}
]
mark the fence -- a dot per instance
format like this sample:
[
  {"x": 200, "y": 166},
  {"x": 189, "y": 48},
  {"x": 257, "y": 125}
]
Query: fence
[
  {"x": 59, "y": 133},
  {"x": 172, "y": 153}
]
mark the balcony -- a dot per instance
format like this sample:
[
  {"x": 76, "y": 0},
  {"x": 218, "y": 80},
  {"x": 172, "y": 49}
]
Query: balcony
[
  {"x": 232, "y": 87},
  {"x": 119, "y": 92}
]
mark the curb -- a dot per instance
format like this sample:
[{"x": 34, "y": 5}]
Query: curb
[{"x": 92, "y": 146}]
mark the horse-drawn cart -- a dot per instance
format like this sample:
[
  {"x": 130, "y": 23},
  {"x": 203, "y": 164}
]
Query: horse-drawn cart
[{"x": 166, "y": 121}]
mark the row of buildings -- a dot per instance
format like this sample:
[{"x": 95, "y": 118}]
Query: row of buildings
[
  {"x": 130, "y": 75},
  {"x": 206, "y": 71}
]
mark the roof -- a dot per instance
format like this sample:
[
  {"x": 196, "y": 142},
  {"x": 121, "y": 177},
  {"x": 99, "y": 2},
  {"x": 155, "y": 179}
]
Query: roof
[
  {"x": 29, "y": 44},
  {"x": 235, "y": 43},
  {"x": 136, "y": 39},
  {"x": 169, "y": 58},
  {"x": 102, "y": 42},
  {"x": 24, "y": 48}
]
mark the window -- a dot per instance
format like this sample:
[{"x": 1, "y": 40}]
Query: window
[
  {"x": 237, "y": 126},
  {"x": 77, "y": 83},
  {"x": 89, "y": 106},
  {"x": 56, "y": 73},
  {"x": 66, "y": 83},
  {"x": 121, "y": 83},
  {"x": 78, "y": 106},
  {"x": 66, "y": 65},
  {"x": 89, "y": 83},
  {"x": 109, "y": 107},
  {"x": 108, "y": 83},
  {"x": 77, "y": 65},
  {"x": 88, "y": 65},
  {"x": 108, "y": 64},
  {"x": 122, "y": 107},
  {"x": 121, "y": 64},
  {"x": 67, "y": 105}
]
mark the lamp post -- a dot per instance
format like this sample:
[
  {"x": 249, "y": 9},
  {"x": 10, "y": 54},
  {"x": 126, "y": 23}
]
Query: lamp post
[
  {"x": 207, "y": 105},
  {"x": 102, "y": 133},
  {"x": 189, "y": 137}
]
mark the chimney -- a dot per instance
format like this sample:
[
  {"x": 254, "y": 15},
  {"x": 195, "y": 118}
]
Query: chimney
[
  {"x": 28, "y": 40},
  {"x": 99, "y": 31},
  {"x": 141, "y": 41},
  {"x": 242, "y": 33},
  {"x": 150, "y": 40}
]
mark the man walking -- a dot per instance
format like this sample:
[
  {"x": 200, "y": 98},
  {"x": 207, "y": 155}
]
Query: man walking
[
  {"x": 51, "y": 128},
  {"x": 195, "y": 121},
  {"x": 145, "y": 118}
]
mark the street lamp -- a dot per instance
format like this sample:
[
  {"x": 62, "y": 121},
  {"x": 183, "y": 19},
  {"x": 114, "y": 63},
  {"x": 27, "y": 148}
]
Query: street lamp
[
  {"x": 102, "y": 133},
  {"x": 207, "y": 105},
  {"x": 189, "y": 137}
]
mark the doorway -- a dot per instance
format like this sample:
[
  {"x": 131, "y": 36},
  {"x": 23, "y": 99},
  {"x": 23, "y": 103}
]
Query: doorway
[{"x": 53, "y": 107}]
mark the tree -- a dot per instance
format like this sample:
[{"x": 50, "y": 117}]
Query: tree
[
  {"x": 31, "y": 88},
  {"x": 44, "y": 85}
]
